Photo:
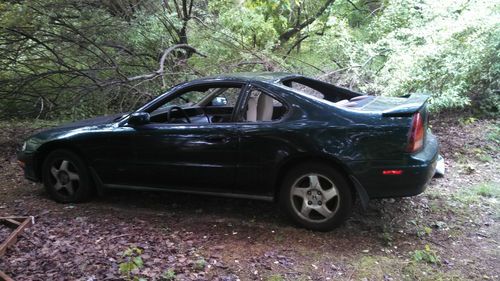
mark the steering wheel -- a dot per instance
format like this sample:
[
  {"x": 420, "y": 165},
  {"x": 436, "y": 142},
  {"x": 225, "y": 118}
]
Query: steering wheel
[
  {"x": 205, "y": 113},
  {"x": 177, "y": 108}
]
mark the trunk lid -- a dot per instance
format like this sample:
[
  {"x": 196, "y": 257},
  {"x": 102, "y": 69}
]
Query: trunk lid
[
  {"x": 396, "y": 106},
  {"x": 411, "y": 110}
]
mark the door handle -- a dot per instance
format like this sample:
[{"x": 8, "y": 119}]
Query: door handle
[{"x": 218, "y": 139}]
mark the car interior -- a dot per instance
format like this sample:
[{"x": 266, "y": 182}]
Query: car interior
[
  {"x": 216, "y": 104},
  {"x": 261, "y": 107}
]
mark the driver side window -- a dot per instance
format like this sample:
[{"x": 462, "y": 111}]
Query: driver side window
[
  {"x": 199, "y": 104},
  {"x": 227, "y": 98},
  {"x": 186, "y": 100}
]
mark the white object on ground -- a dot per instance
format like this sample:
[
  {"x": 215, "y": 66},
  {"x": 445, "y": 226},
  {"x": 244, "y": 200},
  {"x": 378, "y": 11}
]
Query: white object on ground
[{"x": 440, "y": 169}]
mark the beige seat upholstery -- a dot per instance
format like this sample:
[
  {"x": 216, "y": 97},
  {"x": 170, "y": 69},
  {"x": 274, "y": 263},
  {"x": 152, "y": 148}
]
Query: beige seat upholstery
[
  {"x": 265, "y": 108},
  {"x": 346, "y": 103},
  {"x": 259, "y": 108},
  {"x": 342, "y": 102},
  {"x": 252, "y": 109},
  {"x": 359, "y": 98}
]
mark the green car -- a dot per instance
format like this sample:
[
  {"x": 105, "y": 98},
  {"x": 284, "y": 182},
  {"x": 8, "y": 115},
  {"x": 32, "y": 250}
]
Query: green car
[{"x": 312, "y": 146}]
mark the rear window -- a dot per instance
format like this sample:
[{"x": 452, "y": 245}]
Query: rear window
[
  {"x": 307, "y": 90},
  {"x": 327, "y": 93}
]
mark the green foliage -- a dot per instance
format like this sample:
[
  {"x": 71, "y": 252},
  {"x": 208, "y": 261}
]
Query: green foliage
[
  {"x": 445, "y": 48},
  {"x": 169, "y": 275},
  {"x": 448, "y": 49},
  {"x": 474, "y": 194},
  {"x": 375, "y": 267},
  {"x": 494, "y": 134},
  {"x": 427, "y": 272},
  {"x": 251, "y": 27},
  {"x": 386, "y": 235},
  {"x": 199, "y": 264},
  {"x": 426, "y": 255},
  {"x": 276, "y": 277},
  {"x": 132, "y": 263},
  {"x": 424, "y": 231},
  {"x": 381, "y": 267},
  {"x": 72, "y": 59},
  {"x": 488, "y": 190}
]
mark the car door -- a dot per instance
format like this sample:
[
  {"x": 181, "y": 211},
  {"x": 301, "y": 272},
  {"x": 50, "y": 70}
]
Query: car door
[
  {"x": 263, "y": 141},
  {"x": 185, "y": 156}
]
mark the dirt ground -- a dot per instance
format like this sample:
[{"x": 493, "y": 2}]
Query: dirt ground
[{"x": 450, "y": 232}]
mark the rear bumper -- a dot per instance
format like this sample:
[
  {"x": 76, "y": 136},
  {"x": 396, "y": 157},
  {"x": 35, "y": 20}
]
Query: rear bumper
[
  {"x": 27, "y": 162},
  {"x": 417, "y": 170}
]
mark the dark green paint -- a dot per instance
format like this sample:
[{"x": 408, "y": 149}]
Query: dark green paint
[{"x": 248, "y": 159}]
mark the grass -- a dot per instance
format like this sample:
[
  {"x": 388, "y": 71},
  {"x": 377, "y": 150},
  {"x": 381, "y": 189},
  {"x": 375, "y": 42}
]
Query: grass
[
  {"x": 425, "y": 263},
  {"x": 377, "y": 267},
  {"x": 489, "y": 145},
  {"x": 275, "y": 277},
  {"x": 425, "y": 272},
  {"x": 482, "y": 155},
  {"x": 199, "y": 264},
  {"x": 394, "y": 268},
  {"x": 477, "y": 192},
  {"x": 169, "y": 275},
  {"x": 493, "y": 134},
  {"x": 488, "y": 189},
  {"x": 485, "y": 195}
]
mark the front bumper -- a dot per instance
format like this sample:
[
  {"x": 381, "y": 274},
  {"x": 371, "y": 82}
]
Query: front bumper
[
  {"x": 28, "y": 164},
  {"x": 417, "y": 170}
]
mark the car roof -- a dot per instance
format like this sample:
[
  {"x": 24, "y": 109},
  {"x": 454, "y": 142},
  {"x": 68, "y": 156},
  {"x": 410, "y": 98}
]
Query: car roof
[{"x": 268, "y": 77}]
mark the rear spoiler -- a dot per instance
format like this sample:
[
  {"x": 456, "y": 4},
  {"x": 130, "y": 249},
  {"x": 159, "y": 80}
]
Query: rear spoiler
[{"x": 413, "y": 104}]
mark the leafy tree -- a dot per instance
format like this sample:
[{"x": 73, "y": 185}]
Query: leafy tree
[{"x": 73, "y": 59}]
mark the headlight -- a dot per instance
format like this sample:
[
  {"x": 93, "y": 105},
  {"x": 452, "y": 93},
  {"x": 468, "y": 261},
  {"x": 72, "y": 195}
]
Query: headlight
[{"x": 23, "y": 148}]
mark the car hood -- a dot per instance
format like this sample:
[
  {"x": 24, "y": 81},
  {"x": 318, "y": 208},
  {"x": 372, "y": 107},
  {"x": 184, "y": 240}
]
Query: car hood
[
  {"x": 74, "y": 128},
  {"x": 101, "y": 120}
]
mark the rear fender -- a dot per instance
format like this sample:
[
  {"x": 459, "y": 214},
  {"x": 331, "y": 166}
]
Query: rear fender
[{"x": 355, "y": 186}]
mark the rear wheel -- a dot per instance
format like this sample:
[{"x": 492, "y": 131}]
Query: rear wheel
[
  {"x": 66, "y": 177},
  {"x": 316, "y": 196}
]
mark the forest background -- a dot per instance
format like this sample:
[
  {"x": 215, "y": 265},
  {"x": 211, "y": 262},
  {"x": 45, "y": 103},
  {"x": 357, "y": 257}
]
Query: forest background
[{"x": 71, "y": 59}]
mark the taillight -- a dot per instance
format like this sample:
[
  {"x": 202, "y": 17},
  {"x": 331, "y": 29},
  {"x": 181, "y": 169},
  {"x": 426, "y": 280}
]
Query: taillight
[
  {"x": 392, "y": 172},
  {"x": 416, "y": 133}
]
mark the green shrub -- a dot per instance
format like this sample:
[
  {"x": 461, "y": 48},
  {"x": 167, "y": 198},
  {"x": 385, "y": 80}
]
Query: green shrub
[{"x": 426, "y": 255}]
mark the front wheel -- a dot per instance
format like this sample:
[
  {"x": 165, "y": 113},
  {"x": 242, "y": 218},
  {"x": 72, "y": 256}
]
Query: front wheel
[
  {"x": 316, "y": 196},
  {"x": 66, "y": 177}
]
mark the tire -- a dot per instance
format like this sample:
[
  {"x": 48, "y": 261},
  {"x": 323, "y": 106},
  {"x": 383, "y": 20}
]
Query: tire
[
  {"x": 320, "y": 207},
  {"x": 66, "y": 177}
]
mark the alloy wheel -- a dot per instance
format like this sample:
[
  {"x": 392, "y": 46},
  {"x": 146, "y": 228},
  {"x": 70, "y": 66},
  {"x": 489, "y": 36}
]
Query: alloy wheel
[
  {"x": 314, "y": 197},
  {"x": 65, "y": 178}
]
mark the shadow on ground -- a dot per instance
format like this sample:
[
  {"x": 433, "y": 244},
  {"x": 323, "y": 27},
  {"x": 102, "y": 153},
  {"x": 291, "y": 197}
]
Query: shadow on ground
[{"x": 450, "y": 232}]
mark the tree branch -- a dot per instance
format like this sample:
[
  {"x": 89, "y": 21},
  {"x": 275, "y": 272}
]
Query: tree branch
[
  {"x": 161, "y": 70},
  {"x": 295, "y": 45},
  {"x": 291, "y": 32}
]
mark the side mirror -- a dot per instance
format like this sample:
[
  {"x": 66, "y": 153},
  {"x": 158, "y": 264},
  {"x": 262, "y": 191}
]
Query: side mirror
[
  {"x": 219, "y": 101},
  {"x": 138, "y": 118}
]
